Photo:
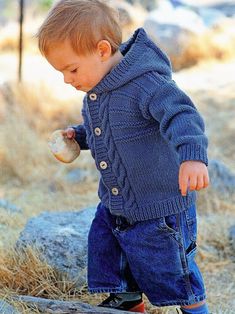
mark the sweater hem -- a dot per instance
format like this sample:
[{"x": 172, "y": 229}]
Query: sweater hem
[{"x": 160, "y": 209}]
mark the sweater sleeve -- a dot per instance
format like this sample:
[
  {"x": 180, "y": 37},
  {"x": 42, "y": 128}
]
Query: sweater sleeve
[
  {"x": 80, "y": 136},
  {"x": 179, "y": 121}
]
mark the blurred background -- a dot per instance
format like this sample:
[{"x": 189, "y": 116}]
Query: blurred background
[{"x": 199, "y": 37}]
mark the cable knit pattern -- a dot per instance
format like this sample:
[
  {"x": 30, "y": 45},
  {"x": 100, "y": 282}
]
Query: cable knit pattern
[
  {"x": 115, "y": 159},
  {"x": 140, "y": 127}
]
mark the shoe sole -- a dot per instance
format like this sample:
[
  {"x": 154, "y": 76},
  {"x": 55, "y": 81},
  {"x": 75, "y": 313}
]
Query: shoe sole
[{"x": 138, "y": 308}]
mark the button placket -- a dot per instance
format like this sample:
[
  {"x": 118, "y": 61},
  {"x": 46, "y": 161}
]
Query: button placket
[{"x": 108, "y": 176}]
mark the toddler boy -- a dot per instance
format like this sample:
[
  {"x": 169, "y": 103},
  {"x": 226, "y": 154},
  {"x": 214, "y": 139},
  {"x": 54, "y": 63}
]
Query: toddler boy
[{"x": 148, "y": 142}]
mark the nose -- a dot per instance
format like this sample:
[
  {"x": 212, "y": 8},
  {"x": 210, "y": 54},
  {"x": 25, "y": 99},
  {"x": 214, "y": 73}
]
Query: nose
[{"x": 68, "y": 79}]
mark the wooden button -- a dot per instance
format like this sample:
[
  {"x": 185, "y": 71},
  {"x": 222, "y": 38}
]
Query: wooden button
[
  {"x": 97, "y": 131},
  {"x": 115, "y": 191},
  {"x": 103, "y": 165},
  {"x": 93, "y": 96}
]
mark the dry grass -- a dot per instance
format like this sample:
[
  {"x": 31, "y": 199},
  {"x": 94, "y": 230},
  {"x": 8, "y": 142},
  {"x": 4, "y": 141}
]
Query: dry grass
[
  {"x": 9, "y": 38},
  {"x": 27, "y": 119},
  {"x": 26, "y": 273},
  {"x": 38, "y": 106},
  {"x": 217, "y": 43}
]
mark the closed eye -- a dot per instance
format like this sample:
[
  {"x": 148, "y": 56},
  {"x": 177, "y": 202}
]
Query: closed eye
[{"x": 74, "y": 71}]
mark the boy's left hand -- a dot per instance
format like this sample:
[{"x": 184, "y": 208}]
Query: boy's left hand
[{"x": 193, "y": 175}]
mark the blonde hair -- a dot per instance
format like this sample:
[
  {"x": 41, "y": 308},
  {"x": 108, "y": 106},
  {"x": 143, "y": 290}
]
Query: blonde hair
[{"x": 83, "y": 22}]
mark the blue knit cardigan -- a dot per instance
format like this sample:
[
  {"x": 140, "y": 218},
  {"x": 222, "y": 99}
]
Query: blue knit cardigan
[{"x": 140, "y": 127}]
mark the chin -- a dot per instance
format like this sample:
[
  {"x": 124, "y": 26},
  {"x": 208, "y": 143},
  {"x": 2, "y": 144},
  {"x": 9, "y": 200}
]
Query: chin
[
  {"x": 86, "y": 90},
  {"x": 82, "y": 89}
]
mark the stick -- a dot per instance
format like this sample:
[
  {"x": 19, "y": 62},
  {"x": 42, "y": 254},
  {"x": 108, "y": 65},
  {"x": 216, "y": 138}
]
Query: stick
[
  {"x": 65, "y": 307},
  {"x": 21, "y": 19}
]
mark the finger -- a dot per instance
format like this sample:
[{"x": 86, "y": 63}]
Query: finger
[
  {"x": 183, "y": 184},
  {"x": 200, "y": 183},
  {"x": 206, "y": 181},
  {"x": 193, "y": 183},
  {"x": 70, "y": 133}
]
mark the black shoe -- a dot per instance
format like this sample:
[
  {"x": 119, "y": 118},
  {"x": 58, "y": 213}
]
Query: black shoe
[{"x": 131, "y": 301}]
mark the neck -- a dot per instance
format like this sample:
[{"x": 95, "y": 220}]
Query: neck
[{"x": 115, "y": 59}]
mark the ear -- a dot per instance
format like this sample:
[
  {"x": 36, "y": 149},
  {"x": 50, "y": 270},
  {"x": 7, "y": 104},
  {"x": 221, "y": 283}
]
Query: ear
[{"x": 104, "y": 50}]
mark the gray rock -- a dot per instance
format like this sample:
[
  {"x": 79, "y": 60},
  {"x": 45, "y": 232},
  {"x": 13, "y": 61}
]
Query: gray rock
[
  {"x": 211, "y": 17},
  {"x": 170, "y": 38},
  {"x": 62, "y": 240},
  {"x": 125, "y": 11},
  {"x": 221, "y": 178},
  {"x": 6, "y": 308},
  {"x": 172, "y": 29},
  {"x": 226, "y": 7},
  {"x": 211, "y": 14},
  {"x": 147, "y": 4},
  {"x": 9, "y": 207},
  {"x": 79, "y": 175},
  {"x": 2, "y": 8}
]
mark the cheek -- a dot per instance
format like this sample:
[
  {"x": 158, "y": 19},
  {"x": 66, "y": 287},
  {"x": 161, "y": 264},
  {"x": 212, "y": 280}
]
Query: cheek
[
  {"x": 95, "y": 77},
  {"x": 100, "y": 74}
]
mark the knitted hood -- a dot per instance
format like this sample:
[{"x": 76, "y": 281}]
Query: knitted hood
[{"x": 141, "y": 55}]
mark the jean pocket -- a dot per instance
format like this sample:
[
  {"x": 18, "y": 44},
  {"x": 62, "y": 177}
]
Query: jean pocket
[
  {"x": 170, "y": 223},
  {"x": 191, "y": 251},
  {"x": 122, "y": 225}
]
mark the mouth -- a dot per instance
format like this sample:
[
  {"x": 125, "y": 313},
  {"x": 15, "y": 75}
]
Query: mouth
[{"x": 76, "y": 86}]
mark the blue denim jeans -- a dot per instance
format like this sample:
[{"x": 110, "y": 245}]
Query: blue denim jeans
[{"x": 156, "y": 257}]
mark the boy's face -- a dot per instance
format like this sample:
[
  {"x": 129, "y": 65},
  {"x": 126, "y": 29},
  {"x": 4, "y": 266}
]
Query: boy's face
[{"x": 82, "y": 72}]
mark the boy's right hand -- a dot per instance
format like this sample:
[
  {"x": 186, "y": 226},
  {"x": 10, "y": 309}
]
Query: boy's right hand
[
  {"x": 63, "y": 145},
  {"x": 69, "y": 133}
]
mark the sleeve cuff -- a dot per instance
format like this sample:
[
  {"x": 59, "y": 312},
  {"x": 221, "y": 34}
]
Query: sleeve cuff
[
  {"x": 80, "y": 136},
  {"x": 193, "y": 152}
]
